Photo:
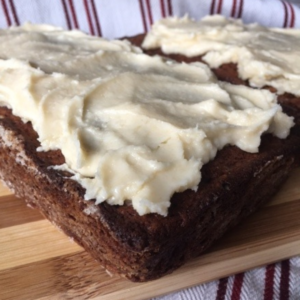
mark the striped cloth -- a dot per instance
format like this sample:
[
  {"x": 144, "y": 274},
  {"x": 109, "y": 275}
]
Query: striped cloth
[
  {"x": 279, "y": 281},
  {"x": 119, "y": 18}
]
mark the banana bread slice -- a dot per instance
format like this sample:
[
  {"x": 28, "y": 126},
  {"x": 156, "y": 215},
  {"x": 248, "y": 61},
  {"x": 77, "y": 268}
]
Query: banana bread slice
[{"x": 146, "y": 247}]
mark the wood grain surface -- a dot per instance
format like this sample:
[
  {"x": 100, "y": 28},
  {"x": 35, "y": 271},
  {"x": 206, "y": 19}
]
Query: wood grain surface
[{"x": 39, "y": 262}]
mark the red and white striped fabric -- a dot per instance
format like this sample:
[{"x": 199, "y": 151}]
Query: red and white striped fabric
[
  {"x": 279, "y": 281},
  {"x": 119, "y": 18}
]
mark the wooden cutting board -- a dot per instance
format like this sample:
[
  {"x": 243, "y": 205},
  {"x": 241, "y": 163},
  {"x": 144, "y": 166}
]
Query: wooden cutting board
[{"x": 39, "y": 262}]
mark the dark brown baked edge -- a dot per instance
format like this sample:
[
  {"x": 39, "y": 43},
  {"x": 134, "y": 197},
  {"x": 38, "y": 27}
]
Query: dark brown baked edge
[{"x": 143, "y": 248}]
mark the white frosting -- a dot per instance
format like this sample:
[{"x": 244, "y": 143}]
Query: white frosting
[
  {"x": 265, "y": 56},
  {"x": 130, "y": 126}
]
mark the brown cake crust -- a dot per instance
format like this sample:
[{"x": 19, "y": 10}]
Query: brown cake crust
[{"x": 147, "y": 247}]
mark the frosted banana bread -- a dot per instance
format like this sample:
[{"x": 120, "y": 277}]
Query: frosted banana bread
[{"x": 53, "y": 127}]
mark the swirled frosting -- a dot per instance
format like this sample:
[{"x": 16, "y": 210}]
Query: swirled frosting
[{"x": 130, "y": 126}]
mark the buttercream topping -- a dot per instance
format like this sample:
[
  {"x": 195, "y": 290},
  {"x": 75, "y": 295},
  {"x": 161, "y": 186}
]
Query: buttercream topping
[
  {"x": 265, "y": 56},
  {"x": 130, "y": 126}
]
